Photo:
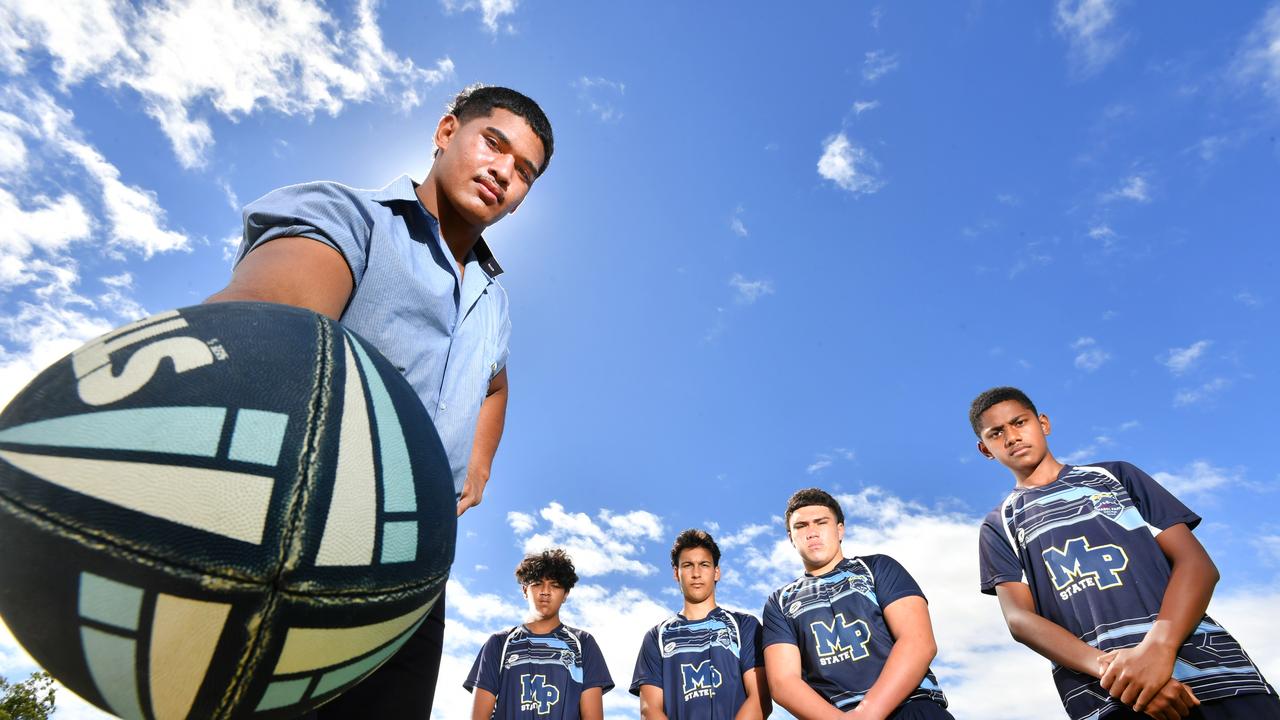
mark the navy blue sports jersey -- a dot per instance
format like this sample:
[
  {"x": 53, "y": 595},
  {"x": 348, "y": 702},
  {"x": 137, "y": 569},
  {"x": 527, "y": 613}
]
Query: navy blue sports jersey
[
  {"x": 539, "y": 677},
  {"x": 837, "y": 622},
  {"x": 1085, "y": 544},
  {"x": 699, "y": 663}
]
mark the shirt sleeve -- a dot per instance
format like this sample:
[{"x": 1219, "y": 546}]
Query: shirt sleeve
[
  {"x": 751, "y": 654},
  {"x": 648, "y": 663},
  {"x": 323, "y": 211},
  {"x": 1158, "y": 506},
  {"x": 777, "y": 629},
  {"x": 502, "y": 345},
  {"x": 595, "y": 673},
  {"x": 892, "y": 581},
  {"x": 997, "y": 560},
  {"x": 484, "y": 671}
]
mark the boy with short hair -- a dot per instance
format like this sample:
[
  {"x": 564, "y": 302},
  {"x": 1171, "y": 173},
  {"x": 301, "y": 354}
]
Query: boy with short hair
[
  {"x": 1097, "y": 570},
  {"x": 542, "y": 669},
  {"x": 704, "y": 663},
  {"x": 851, "y": 638}
]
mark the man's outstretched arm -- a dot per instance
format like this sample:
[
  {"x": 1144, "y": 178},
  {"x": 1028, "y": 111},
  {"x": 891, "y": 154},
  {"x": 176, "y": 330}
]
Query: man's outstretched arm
[
  {"x": 913, "y": 649},
  {"x": 493, "y": 415},
  {"x": 787, "y": 685},
  {"x": 294, "y": 271}
]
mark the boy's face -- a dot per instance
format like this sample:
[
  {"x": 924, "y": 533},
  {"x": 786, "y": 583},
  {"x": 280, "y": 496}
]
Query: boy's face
[
  {"x": 815, "y": 534},
  {"x": 1014, "y": 435},
  {"x": 487, "y": 164},
  {"x": 697, "y": 574},
  {"x": 545, "y": 598}
]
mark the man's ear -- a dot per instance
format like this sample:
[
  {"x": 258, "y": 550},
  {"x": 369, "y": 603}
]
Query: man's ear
[
  {"x": 840, "y": 532},
  {"x": 982, "y": 448},
  {"x": 1044, "y": 423},
  {"x": 445, "y": 130},
  {"x": 716, "y": 577}
]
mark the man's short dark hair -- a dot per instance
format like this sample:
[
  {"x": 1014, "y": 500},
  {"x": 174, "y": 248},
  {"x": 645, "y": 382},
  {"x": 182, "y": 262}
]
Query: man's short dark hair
[
  {"x": 479, "y": 100},
  {"x": 993, "y": 397},
  {"x": 811, "y": 496},
  {"x": 553, "y": 565},
  {"x": 694, "y": 538}
]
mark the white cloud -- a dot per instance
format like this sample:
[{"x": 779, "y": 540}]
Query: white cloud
[
  {"x": 738, "y": 227},
  {"x": 1090, "y": 356},
  {"x": 750, "y": 290},
  {"x": 1197, "y": 478},
  {"x": 609, "y": 543},
  {"x": 47, "y": 224},
  {"x": 601, "y": 97},
  {"x": 877, "y": 64},
  {"x": 1180, "y": 360},
  {"x": 491, "y": 11},
  {"x": 826, "y": 459},
  {"x": 1008, "y": 199},
  {"x": 849, "y": 166},
  {"x": 1104, "y": 234},
  {"x": 225, "y": 55},
  {"x": 862, "y": 106},
  {"x": 1134, "y": 187},
  {"x": 486, "y": 608},
  {"x": 1249, "y": 299},
  {"x": 1268, "y": 548},
  {"x": 746, "y": 535},
  {"x": 1203, "y": 393},
  {"x": 1088, "y": 452},
  {"x": 1091, "y": 38},
  {"x": 1258, "y": 60}
]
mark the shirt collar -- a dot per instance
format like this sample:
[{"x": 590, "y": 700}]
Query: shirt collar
[{"x": 403, "y": 189}]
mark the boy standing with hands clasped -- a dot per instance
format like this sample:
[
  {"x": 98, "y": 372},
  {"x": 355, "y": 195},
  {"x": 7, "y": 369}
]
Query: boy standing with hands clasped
[{"x": 1097, "y": 570}]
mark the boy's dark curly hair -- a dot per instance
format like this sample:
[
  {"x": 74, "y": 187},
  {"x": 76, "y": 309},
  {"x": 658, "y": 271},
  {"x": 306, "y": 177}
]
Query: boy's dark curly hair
[
  {"x": 550, "y": 565},
  {"x": 693, "y": 538}
]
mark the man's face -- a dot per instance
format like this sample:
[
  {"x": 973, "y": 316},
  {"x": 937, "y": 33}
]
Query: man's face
[
  {"x": 697, "y": 574},
  {"x": 487, "y": 164},
  {"x": 815, "y": 534},
  {"x": 545, "y": 598},
  {"x": 1012, "y": 434}
]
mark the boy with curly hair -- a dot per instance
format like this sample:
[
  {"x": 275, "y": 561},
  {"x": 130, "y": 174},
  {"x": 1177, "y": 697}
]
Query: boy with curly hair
[{"x": 540, "y": 669}]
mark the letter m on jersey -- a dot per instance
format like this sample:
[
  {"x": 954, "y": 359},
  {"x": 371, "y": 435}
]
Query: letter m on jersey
[
  {"x": 700, "y": 676},
  {"x": 535, "y": 693},
  {"x": 841, "y": 636},
  {"x": 1077, "y": 559}
]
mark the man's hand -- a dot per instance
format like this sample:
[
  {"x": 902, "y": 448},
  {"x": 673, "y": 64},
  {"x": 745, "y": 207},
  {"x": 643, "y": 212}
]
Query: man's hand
[
  {"x": 473, "y": 487},
  {"x": 1174, "y": 702},
  {"x": 1134, "y": 676}
]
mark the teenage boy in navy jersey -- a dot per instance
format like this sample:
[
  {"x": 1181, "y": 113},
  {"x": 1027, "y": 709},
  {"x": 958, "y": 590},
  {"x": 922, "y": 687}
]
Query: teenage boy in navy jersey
[
  {"x": 541, "y": 670},
  {"x": 704, "y": 663},
  {"x": 851, "y": 638},
  {"x": 1097, "y": 570}
]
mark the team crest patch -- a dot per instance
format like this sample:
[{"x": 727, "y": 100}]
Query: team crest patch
[
  {"x": 512, "y": 658},
  {"x": 795, "y": 607},
  {"x": 669, "y": 648},
  {"x": 1106, "y": 503},
  {"x": 860, "y": 585}
]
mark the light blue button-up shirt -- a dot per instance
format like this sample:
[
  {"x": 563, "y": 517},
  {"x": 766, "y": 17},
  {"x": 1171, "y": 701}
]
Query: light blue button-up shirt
[{"x": 447, "y": 334}]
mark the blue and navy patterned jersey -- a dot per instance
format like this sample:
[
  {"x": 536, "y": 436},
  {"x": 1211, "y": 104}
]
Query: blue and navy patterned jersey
[
  {"x": 699, "y": 663},
  {"x": 837, "y": 622},
  {"x": 539, "y": 677},
  {"x": 1085, "y": 544}
]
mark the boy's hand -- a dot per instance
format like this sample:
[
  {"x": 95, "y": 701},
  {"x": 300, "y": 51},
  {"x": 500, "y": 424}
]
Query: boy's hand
[
  {"x": 1174, "y": 702},
  {"x": 1134, "y": 676}
]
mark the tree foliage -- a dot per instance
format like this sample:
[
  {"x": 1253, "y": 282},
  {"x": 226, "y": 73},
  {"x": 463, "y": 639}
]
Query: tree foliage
[{"x": 31, "y": 699}]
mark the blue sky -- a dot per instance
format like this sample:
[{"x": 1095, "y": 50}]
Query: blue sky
[{"x": 773, "y": 250}]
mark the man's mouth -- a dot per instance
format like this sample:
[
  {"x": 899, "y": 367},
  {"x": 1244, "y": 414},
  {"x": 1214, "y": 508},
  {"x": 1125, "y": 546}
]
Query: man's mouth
[{"x": 489, "y": 191}]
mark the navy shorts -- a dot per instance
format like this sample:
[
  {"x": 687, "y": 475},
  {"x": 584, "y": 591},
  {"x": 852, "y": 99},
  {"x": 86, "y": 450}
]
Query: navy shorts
[
  {"x": 1244, "y": 707},
  {"x": 920, "y": 710}
]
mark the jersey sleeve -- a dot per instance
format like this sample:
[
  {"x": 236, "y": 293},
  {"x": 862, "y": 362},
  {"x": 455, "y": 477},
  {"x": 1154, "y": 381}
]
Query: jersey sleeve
[
  {"x": 595, "y": 673},
  {"x": 893, "y": 582},
  {"x": 997, "y": 561},
  {"x": 751, "y": 654},
  {"x": 777, "y": 629},
  {"x": 484, "y": 671},
  {"x": 502, "y": 344},
  {"x": 648, "y": 663},
  {"x": 1158, "y": 506},
  {"x": 323, "y": 211}
]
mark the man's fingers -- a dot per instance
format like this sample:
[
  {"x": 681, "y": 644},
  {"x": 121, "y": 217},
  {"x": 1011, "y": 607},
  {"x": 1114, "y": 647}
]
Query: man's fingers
[
  {"x": 1188, "y": 696},
  {"x": 1144, "y": 698}
]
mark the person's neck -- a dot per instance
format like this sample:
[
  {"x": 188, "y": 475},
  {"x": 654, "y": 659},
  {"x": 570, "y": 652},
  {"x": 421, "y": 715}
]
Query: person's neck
[
  {"x": 542, "y": 626},
  {"x": 698, "y": 611},
  {"x": 828, "y": 567},
  {"x": 460, "y": 235},
  {"x": 1043, "y": 474}
]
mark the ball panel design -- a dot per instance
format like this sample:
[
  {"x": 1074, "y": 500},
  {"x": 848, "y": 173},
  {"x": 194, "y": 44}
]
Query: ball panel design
[{"x": 222, "y": 511}]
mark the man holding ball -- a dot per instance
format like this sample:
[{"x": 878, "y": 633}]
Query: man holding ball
[{"x": 406, "y": 268}]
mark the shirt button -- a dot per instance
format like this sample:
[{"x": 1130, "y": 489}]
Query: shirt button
[{"x": 443, "y": 407}]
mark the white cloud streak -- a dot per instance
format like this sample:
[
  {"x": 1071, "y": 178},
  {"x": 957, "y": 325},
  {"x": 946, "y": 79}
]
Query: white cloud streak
[
  {"x": 1134, "y": 187},
  {"x": 1201, "y": 394},
  {"x": 878, "y": 63},
  {"x": 849, "y": 166},
  {"x": 1091, "y": 37},
  {"x": 1180, "y": 360},
  {"x": 1089, "y": 355},
  {"x": 491, "y": 11},
  {"x": 1258, "y": 60},
  {"x": 748, "y": 291},
  {"x": 1200, "y": 477},
  {"x": 601, "y": 97},
  {"x": 223, "y": 53},
  {"x": 608, "y": 543}
]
